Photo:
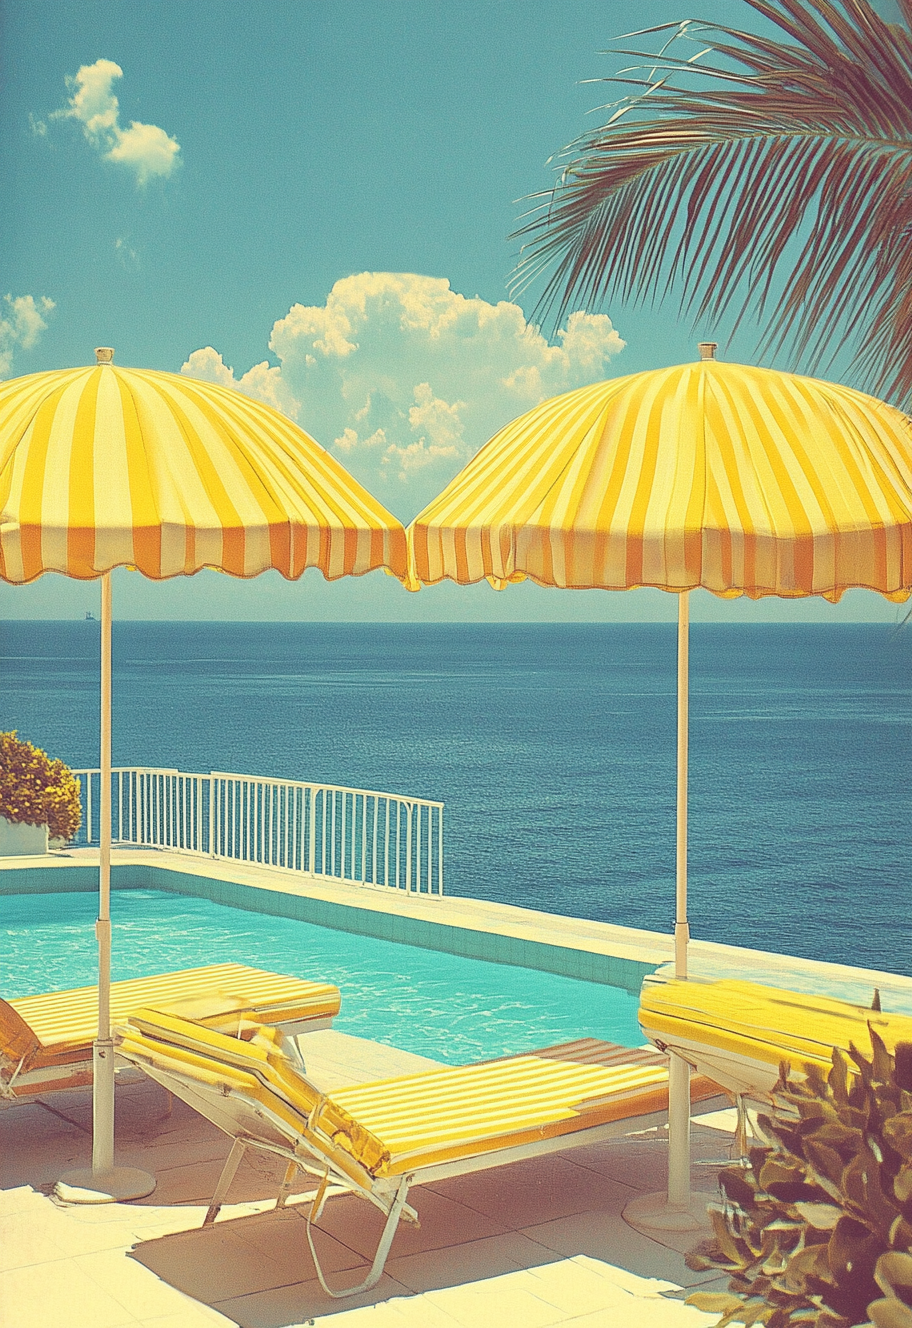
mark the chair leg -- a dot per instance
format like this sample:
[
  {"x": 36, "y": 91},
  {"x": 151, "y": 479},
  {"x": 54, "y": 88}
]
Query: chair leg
[
  {"x": 383, "y": 1249},
  {"x": 741, "y": 1128},
  {"x": 288, "y": 1180},
  {"x": 238, "y": 1148}
]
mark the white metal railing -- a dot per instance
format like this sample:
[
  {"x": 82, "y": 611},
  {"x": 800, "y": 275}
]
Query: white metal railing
[{"x": 354, "y": 835}]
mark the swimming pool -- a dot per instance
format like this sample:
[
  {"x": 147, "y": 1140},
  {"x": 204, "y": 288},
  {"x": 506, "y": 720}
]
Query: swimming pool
[{"x": 439, "y": 1005}]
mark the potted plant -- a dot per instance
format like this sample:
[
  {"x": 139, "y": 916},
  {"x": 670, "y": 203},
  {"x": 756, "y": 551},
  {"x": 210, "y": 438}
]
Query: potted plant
[
  {"x": 818, "y": 1228},
  {"x": 39, "y": 799}
]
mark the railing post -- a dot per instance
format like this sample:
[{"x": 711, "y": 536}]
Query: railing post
[
  {"x": 440, "y": 850},
  {"x": 409, "y": 815}
]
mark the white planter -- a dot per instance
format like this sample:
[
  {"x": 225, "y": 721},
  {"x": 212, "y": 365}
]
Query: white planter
[{"x": 18, "y": 840}]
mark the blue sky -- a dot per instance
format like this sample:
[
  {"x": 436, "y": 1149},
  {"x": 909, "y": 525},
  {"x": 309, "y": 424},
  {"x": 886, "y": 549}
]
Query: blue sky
[{"x": 241, "y": 189}]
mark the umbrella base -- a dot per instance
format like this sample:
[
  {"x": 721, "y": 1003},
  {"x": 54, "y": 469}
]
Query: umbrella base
[
  {"x": 652, "y": 1212},
  {"x": 115, "y": 1186}
]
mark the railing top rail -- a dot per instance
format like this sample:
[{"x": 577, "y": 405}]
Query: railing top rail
[
  {"x": 259, "y": 779},
  {"x": 314, "y": 784}
]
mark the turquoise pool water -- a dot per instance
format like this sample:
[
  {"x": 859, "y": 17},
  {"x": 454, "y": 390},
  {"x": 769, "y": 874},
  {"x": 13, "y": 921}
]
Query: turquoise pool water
[{"x": 452, "y": 1009}]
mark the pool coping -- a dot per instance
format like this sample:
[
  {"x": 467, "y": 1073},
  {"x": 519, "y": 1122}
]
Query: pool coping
[{"x": 580, "y": 948}]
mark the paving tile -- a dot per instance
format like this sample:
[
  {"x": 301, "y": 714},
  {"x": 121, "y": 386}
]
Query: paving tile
[
  {"x": 73, "y": 1299},
  {"x": 536, "y": 1190},
  {"x": 468, "y": 1263},
  {"x": 93, "y": 1215},
  {"x": 481, "y": 1307},
  {"x": 643, "y": 1164},
  {"x": 209, "y": 1264},
  {"x": 647, "y": 1314},
  {"x": 24, "y": 1243},
  {"x": 282, "y": 1236},
  {"x": 242, "y": 1258},
  {"x": 400, "y": 1312},
  {"x": 193, "y": 1316},
  {"x": 444, "y": 1222},
  {"x": 575, "y": 1288},
  {"x": 77, "y": 1237},
  {"x": 642, "y": 1316},
  {"x": 170, "y": 1150},
  {"x": 19, "y": 1199},
  {"x": 622, "y": 1277},
  {"x": 386, "y": 1315},
  {"x": 292, "y": 1305},
  {"x": 190, "y": 1183},
  {"x": 36, "y": 1146},
  {"x": 337, "y": 1060},
  {"x": 189, "y": 1217},
  {"x": 141, "y": 1292},
  {"x": 607, "y": 1236}
]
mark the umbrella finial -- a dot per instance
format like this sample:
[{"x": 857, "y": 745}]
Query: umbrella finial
[
  {"x": 104, "y": 354},
  {"x": 707, "y": 349}
]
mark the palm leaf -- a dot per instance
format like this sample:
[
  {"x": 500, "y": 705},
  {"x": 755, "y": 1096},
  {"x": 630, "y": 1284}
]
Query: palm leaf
[{"x": 771, "y": 177}]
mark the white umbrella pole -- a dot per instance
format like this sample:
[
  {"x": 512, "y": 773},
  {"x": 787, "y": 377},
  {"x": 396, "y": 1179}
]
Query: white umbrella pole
[
  {"x": 103, "y": 1182},
  {"x": 103, "y": 1050},
  {"x": 678, "y": 1069},
  {"x": 673, "y": 1209}
]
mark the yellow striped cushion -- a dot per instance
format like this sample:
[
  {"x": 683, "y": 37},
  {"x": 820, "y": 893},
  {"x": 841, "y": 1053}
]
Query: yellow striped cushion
[
  {"x": 764, "y": 1023},
  {"x": 393, "y": 1126},
  {"x": 471, "y": 1109},
  {"x": 67, "y": 1021},
  {"x": 17, "y": 1039},
  {"x": 162, "y": 1038}
]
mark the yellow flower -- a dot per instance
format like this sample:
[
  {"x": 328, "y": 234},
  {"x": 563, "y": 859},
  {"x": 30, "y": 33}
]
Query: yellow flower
[{"x": 36, "y": 790}]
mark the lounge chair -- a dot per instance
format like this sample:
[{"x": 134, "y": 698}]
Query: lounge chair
[
  {"x": 738, "y": 1033},
  {"x": 380, "y": 1138},
  {"x": 46, "y": 1041}
]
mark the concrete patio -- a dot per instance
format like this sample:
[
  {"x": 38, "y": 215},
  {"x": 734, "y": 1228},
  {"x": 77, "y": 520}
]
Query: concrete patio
[{"x": 538, "y": 1243}]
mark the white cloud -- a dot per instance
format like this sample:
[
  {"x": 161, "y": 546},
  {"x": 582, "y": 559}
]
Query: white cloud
[
  {"x": 441, "y": 438},
  {"x": 143, "y": 148},
  {"x": 125, "y": 253},
  {"x": 22, "y": 320},
  {"x": 263, "y": 381},
  {"x": 405, "y": 378}
]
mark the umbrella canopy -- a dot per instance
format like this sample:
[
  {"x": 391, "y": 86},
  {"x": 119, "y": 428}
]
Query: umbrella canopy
[
  {"x": 736, "y": 479},
  {"x": 103, "y": 467},
  {"x": 739, "y": 480}
]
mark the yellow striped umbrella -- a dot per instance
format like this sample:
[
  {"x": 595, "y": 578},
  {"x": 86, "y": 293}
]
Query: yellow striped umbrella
[
  {"x": 736, "y": 479},
  {"x": 739, "y": 480},
  {"x": 105, "y": 467}
]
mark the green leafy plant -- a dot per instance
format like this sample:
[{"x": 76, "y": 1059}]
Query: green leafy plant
[
  {"x": 819, "y": 1225},
  {"x": 35, "y": 790}
]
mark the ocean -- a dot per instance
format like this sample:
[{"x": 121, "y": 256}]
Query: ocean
[{"x": 553, "y": 748}]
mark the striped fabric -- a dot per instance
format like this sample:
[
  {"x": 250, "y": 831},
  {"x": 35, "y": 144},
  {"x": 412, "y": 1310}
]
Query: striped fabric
[
  {"x": 67, "y": 1021},
  {"x": 393, "y": 1126},
  {"x": 737, "y": 479},
  {"x": 463, "y": 1110},
  {"x": 103, "y": 467},
  {"x": 764, "y": 1024}
]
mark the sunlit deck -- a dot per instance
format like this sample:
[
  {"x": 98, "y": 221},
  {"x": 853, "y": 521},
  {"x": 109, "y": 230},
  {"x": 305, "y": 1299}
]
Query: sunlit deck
[{"x": 537, "y": 1243}]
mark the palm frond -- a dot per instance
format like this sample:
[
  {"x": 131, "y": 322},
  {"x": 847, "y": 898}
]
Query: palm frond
[{"x": 770, "y": 177}]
